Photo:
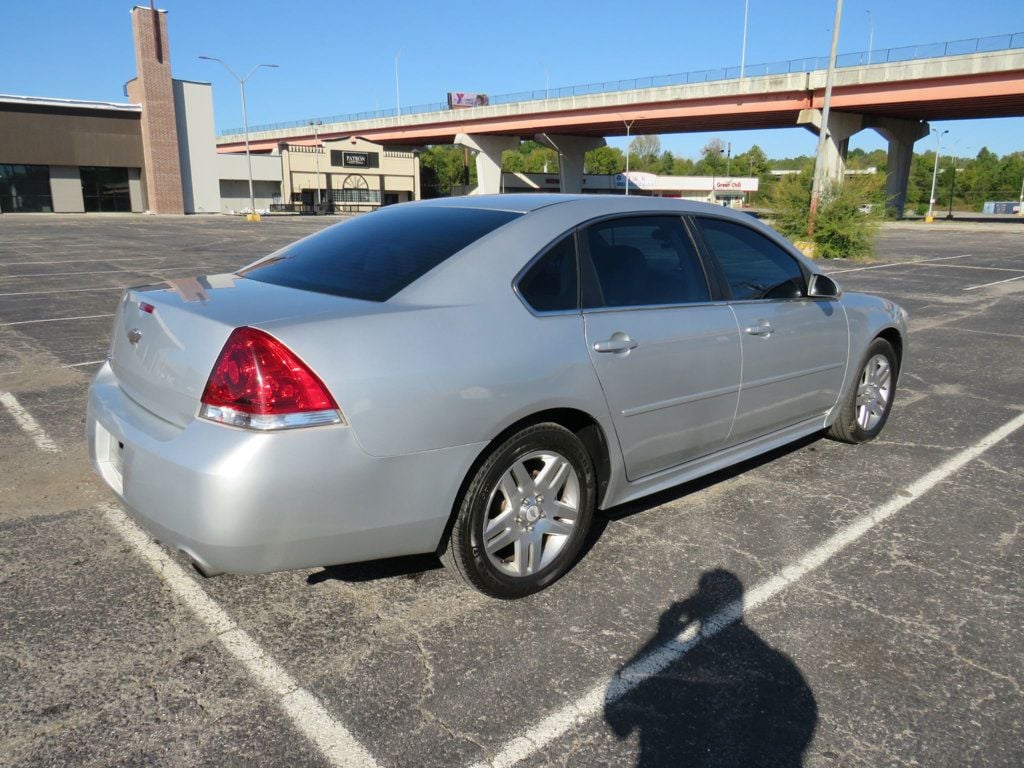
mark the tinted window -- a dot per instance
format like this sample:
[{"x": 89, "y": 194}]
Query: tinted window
[
  {"x": 550, "y": 284},
  {"x": 642, "y": 261},
  {"x": 754, "y": 266},
  {"x": 376, "y": 255}
]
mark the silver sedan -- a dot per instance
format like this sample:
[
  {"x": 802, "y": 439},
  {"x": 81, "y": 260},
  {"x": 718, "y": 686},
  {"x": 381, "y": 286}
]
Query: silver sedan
[{"x": 474, "y": 377}]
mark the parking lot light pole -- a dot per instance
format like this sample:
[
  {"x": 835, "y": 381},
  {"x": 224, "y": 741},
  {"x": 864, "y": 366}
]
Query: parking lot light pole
[
  {"x": 743, "y": 47},
  {"x": 629, "y": 126},
  {"x": 935, "y": 173},
  {"x": 316, "y": 143},
  {"x": 253, "y": 216}
]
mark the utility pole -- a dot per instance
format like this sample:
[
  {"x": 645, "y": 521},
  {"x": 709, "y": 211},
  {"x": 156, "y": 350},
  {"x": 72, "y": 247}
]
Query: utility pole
[
  {"x": 819, "y": 161},
  {"x": 935, "y": 173}
]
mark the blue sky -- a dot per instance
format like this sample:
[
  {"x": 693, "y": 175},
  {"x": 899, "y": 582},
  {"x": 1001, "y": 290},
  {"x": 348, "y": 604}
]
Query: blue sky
[{"x": 339, "y": 57}]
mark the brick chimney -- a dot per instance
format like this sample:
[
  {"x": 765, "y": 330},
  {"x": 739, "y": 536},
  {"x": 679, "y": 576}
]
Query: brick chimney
[{"x": 152, "y": 89}]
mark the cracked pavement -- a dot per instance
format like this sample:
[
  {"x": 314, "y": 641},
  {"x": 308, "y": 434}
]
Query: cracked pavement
[{"x": 903, "y": 649}]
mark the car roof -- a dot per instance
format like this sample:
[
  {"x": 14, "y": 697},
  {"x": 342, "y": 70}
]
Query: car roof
[{"x": 518, "y": 203}]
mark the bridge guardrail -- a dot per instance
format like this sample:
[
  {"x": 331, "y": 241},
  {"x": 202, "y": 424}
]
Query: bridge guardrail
[{"x": 966, "y": 46}]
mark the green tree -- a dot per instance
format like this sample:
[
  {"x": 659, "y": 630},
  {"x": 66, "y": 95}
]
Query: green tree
[
  {"x": 605, "y": 160},
  {"x": 666, "y": 163},
  {"x": 442, "y": 167},
  {"x": 682, "y": 166},
  {"x": 643, "y": 152}
]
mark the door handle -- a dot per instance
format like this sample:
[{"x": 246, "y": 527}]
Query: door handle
[
  {"x": 618, "y": 343},
  {"x": 763, "y": 328}
]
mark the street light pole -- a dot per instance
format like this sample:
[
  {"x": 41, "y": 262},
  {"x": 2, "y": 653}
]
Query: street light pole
[
  {"x": 628, "y": 125},
  {"x": 871, "y": 35},
  {"x": 743, "y": 50},
  {"x": 253, "y": 216},
  {"x": 952, "y": 185},
  {"x": 398, "y": 92},
  {"x": 819, "y": 161},
  {"x": 935, "y": 171},
  {"x": 318, "y": 146}
]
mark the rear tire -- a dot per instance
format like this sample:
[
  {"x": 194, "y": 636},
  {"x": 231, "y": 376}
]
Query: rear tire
[
  {"x": 865, "y": 409},
  {"x": 525, "y": 513}
]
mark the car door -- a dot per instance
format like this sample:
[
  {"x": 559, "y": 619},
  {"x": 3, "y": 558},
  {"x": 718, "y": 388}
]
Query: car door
[
  {"x": 795, "y": 348},
  {"x": 668, "y": 359}
]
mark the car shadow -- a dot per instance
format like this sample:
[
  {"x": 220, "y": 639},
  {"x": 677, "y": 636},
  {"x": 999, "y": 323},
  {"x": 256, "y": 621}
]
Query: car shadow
[
  {"x": 412, "y": 567},
  {"x": 602, "y": 518},
  {"x": 723, "y": 698}
]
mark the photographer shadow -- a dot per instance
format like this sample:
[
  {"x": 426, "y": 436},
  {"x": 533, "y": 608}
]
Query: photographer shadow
[{"x": 719, "y": 695}]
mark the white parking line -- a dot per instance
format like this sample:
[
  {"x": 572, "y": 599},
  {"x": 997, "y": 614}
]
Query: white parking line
[
  {"x": 87, "y": 362},
  {"x": 28, "y": 423},
  {"x": 142, "y": 271},
  {"x": 76, "y": 261},
  {"x": 997, "y": 282},
  {"x": 901, "y": 263},
  {"x": 305, "y": 711},
  {"x": 55, "y": 319},
  {"x": 68, "y": 290},
  {"x": 593, "y": 701}
]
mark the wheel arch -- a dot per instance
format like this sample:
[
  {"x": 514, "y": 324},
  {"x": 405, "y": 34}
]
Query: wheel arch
[
  {"x": 895, "y": 338},
  {"x": 580, "y": 423}
]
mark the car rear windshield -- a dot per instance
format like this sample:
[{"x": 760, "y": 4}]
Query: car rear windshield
[{"x": 376, "y": 255}]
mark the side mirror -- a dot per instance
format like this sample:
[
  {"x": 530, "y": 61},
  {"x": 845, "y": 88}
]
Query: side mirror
[{"x": 823, "y": 287}]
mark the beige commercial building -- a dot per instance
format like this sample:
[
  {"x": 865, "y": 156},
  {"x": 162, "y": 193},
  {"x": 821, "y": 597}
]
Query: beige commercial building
[{"x": 354, "y": 174}]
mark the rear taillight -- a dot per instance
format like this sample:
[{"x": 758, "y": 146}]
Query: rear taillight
[{"x": 258, "y": 383}]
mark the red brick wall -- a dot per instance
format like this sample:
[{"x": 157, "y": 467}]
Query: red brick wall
[{"x": 152, "y": 89}]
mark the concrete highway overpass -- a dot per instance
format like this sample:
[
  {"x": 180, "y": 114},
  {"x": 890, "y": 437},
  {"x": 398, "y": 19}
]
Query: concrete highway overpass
[{"x": 895, "y": 98}]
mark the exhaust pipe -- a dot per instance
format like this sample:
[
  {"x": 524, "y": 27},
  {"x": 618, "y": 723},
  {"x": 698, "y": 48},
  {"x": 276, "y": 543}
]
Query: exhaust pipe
[{"x": 200, "y": 567}]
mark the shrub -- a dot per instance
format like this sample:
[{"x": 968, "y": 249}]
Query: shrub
[{"x": 848, "y": 215}]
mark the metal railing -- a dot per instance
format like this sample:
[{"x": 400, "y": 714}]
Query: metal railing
[{"x": 878, "y": 56}]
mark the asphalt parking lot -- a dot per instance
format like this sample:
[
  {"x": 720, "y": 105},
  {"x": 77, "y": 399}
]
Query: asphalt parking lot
[{"x": 882, "y": 585}]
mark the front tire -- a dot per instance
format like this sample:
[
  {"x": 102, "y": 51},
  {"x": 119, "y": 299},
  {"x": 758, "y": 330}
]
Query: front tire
[
  {"x": 524, "y": 514},
  {"x": 866, "y": 407}
]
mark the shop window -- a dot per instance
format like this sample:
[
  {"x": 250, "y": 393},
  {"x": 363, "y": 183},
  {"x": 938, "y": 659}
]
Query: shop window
[
  {"x": 25, "y": 189},
  {"x": 105, "y": 189}
]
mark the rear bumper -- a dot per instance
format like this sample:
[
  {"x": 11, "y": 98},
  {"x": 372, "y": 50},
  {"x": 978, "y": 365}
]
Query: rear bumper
[{"x": 247, "y": 502}]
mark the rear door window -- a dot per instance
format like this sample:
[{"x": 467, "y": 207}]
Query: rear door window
[
  {"x": 641, "y": 261},
  {"x": 754, "y": 267},
  {"x": 376, "y": 255},
  {"x": 551, "y": 284}
]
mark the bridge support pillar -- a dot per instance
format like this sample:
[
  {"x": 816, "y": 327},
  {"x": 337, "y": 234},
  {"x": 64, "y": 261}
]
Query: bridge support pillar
[
  {"x": 901, "y": 135},
  {"x": 488, "y": 151},
  {"x": 841, "y": 126},
  {"x": 571, "y": 152}
]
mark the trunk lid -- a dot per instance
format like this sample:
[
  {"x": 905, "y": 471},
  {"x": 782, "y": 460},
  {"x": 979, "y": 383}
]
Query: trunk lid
[{"x": 162, "y": 358}]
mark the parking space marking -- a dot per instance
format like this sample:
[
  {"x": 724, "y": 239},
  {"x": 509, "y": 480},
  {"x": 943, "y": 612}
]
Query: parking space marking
[
  {"x": 68, "y": 290},
  {"x": 28, "y": 424},
  {"x": 997, "y": 282},
  {"x": 901, "y": 263},
  {"x": 974, "y": 266},
  {"x": 55, "y": 319},
  {"x": 306, "y": 712},
  {"x": 144, "y": 271},
  {"x": 76, "y": 261},
  {"x": 593, "y": 701},
  {"x": 87, "y": 362}
]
